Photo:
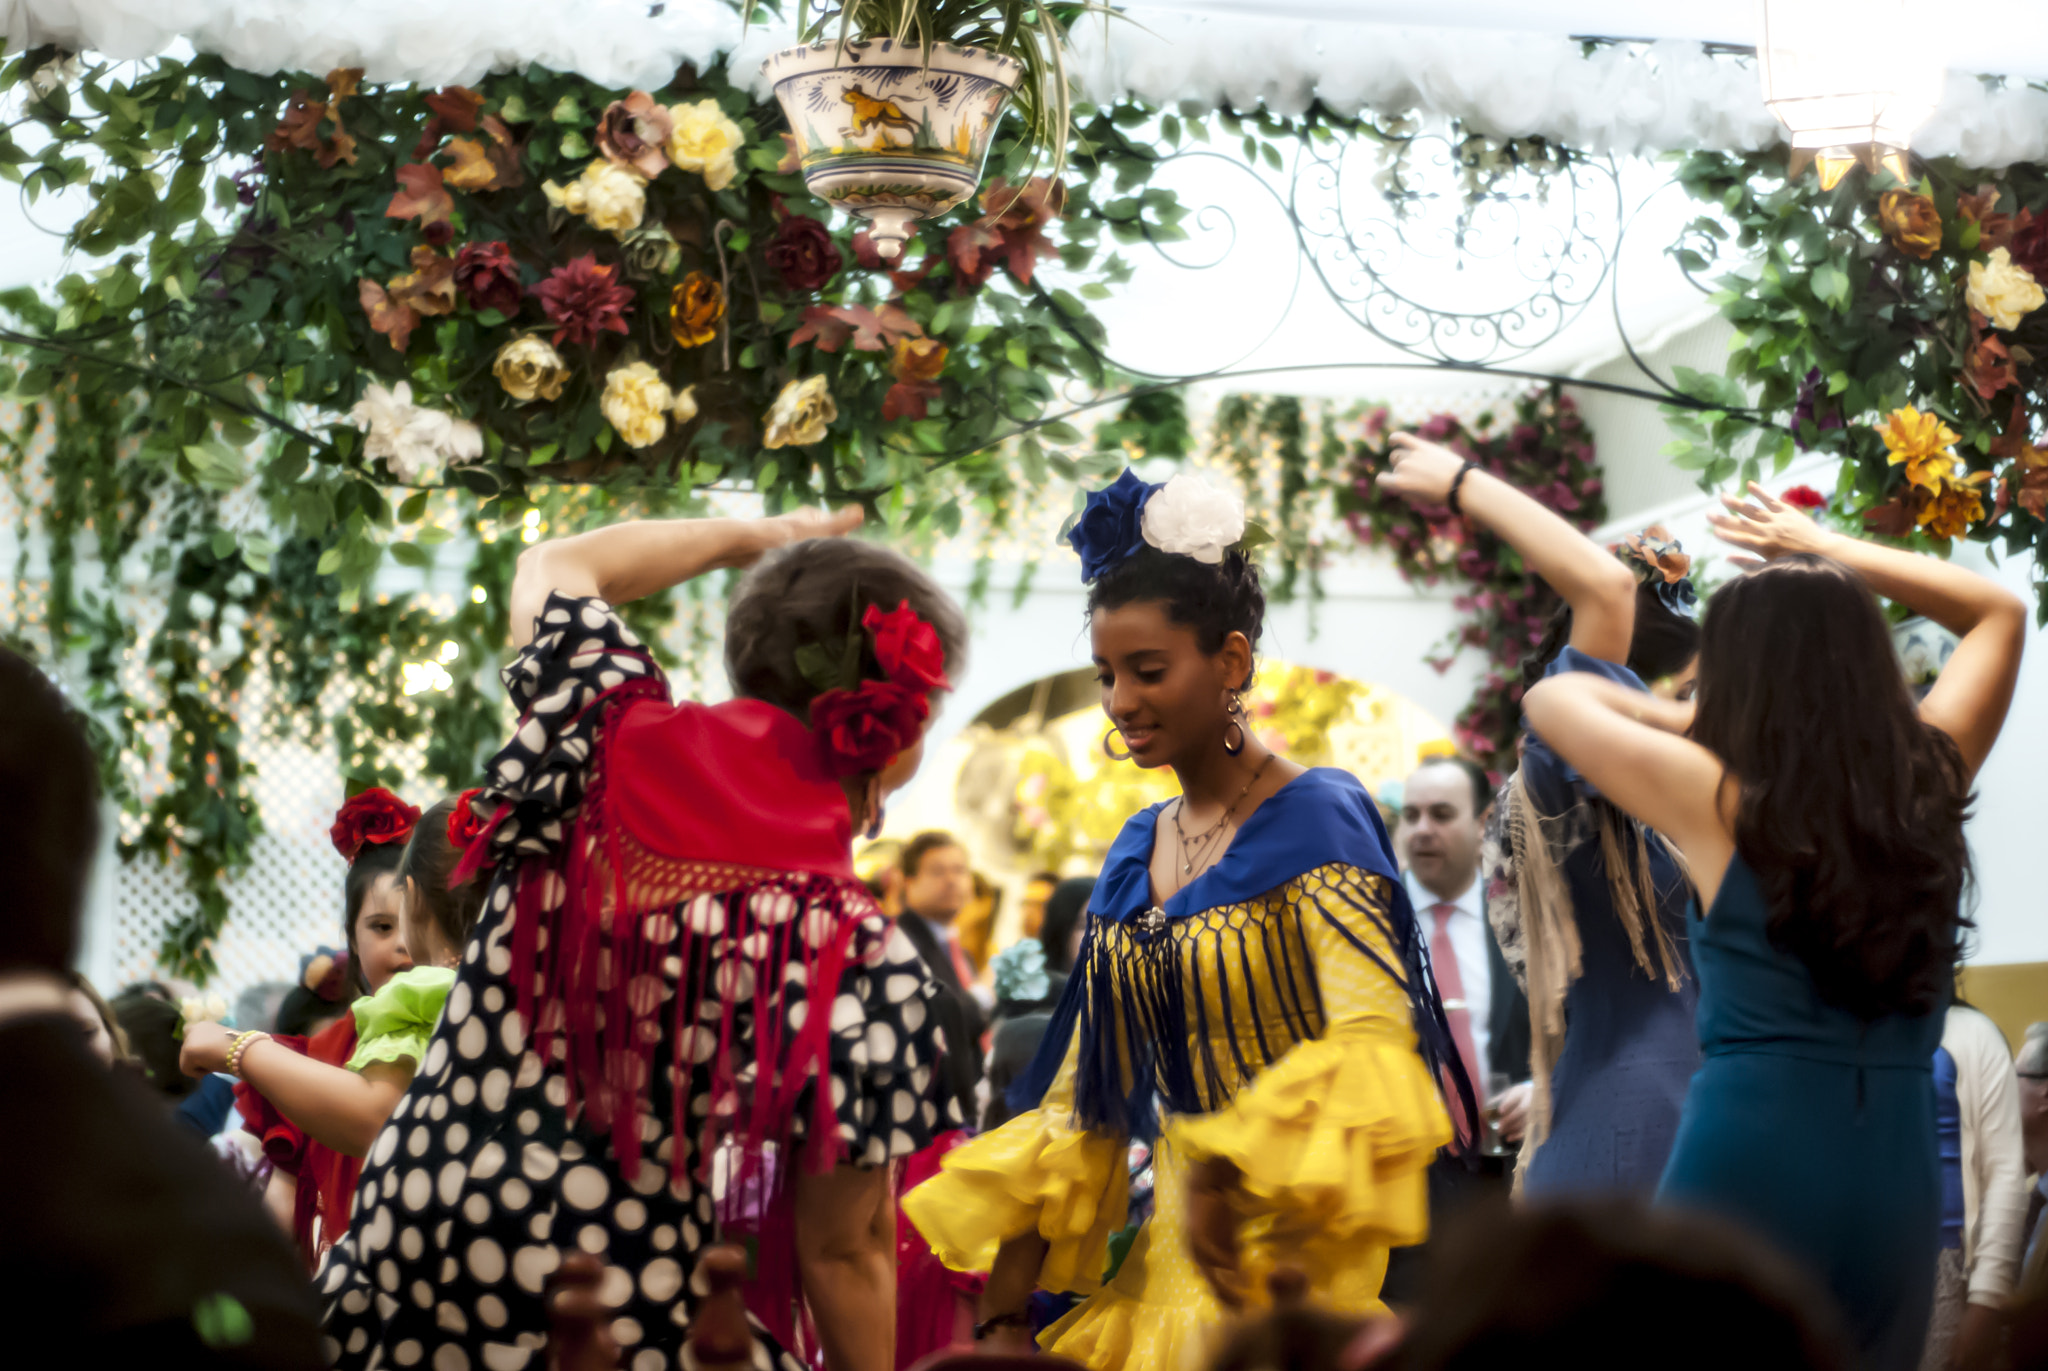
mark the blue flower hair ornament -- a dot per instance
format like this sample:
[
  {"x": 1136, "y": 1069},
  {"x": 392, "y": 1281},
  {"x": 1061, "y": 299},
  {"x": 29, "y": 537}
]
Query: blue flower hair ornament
[
  {"x": 1111, "y": 528},
  {"x": 1185, "y": 516}
]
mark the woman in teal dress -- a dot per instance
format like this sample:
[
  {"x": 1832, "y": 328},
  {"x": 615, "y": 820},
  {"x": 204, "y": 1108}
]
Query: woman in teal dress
[{"x": 1821, "y": 815}]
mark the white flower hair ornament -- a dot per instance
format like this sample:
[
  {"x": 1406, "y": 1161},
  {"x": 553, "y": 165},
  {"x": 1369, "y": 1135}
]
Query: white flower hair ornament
[{"x": 1192, "y": 518}]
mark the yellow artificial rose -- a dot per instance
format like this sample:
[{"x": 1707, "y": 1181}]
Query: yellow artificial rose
[
  {"x": 703, "y": 140},
  {"x": 1921, "y": 443},
  {"x": 529, "y": 367},
  {"x": 2003, "y": 291},
  {"x": 686, "y": 404},
  {"x": 636, "y": 403},
  {"x": 800, "y": 414},
  {"x": 609, "y": 196}
]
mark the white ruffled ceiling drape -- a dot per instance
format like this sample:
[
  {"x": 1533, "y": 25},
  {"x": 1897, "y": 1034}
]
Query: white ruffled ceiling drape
[{"x": 1282, "y": 53}]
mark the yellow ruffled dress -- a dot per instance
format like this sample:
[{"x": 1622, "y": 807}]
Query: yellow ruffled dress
[{"x": 1332, "y": 1134}]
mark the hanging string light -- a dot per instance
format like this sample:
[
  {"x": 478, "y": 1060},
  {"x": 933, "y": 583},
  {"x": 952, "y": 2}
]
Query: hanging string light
[{"x": 1850, "y": 80}]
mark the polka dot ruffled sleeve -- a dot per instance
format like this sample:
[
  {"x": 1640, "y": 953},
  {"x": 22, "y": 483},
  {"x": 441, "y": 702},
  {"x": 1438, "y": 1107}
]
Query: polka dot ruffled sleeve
[{"x": 581, "y": 654}]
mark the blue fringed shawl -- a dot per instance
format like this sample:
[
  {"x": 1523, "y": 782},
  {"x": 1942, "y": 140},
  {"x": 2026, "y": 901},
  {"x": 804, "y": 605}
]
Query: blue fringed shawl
[{"x": 1137, "y": 1000}]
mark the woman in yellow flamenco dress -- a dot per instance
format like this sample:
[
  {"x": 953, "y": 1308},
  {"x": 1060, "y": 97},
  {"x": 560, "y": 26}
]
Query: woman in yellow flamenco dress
[{"x": 1248, "y": 998}]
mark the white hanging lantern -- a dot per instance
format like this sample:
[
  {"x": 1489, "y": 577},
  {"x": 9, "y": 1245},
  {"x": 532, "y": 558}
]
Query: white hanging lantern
[{"x": 1850, "y": 80}]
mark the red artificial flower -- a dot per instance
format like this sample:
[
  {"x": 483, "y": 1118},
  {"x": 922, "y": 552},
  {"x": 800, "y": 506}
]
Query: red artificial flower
[
  {"x": 585, "y": 299},
  {"x": 463, "y": 824},
  {"x": 867, "y": 728},
  {"x": 1804, "y": 497},
  {"x": 803, "y": 254},
  {"x": 488, "y": 278},
  {"x": 373, "y": 816},
  {"x": 2029, "y": 244},
  {"x": 907, "y": 647}
]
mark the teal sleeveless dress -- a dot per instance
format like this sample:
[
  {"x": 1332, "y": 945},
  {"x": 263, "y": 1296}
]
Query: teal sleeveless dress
[{"x": 1812, "y": 1127}]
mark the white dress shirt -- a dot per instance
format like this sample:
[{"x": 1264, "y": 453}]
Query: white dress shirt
[
  {"x": 1994, "y": 1162},
  {"x": 1467, "y": 928}
]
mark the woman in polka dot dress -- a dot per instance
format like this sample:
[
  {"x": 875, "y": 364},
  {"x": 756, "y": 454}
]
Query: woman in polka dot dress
[{"x": 681, "y": 1016}]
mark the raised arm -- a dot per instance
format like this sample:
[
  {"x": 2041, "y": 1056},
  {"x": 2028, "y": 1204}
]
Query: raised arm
[
  {"x": 1599, "y": 589},
  {"x": 1629, "y": 746},
  {"x": 642, "y": 557},
  {"x": 1970, "y": 700}
]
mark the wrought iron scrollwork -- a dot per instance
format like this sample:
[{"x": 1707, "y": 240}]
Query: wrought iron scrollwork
[{"x": 1469, "y": 279}]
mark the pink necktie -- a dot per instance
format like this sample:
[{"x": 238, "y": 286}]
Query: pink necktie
[{"x": 1450, "y": 984}]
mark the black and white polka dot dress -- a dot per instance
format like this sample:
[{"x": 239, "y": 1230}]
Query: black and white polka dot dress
[{"x": 481, "y": 1178}]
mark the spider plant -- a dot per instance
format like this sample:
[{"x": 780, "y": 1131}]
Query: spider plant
[{"x": 1031, "y": 32}]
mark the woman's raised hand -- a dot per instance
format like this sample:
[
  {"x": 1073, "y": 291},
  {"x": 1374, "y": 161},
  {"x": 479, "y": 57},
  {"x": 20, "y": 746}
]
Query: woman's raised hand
[
  {"x": 1770, "y": 528},
  {"x": 799, "y": 524},
  {"x": 1421, "y": 471}
]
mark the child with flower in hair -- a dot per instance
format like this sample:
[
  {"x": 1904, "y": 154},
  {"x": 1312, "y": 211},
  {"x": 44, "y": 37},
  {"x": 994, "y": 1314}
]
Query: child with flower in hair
[
  {"x": 393, "y": 1025},
  {"x": 318, "y": 1104},
  {"x": 315, "y": 1149}
]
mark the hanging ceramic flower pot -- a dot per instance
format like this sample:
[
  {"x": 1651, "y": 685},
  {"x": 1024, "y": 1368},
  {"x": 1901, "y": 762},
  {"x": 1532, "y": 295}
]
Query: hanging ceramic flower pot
[{"x": 888, "y": 132}]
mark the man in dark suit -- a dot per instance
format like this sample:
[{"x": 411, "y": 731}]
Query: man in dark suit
[
  {"x": 1444, "y": 806},
  {"x": 122, "y": 1238},
  {"x": 937, "y": 884}
]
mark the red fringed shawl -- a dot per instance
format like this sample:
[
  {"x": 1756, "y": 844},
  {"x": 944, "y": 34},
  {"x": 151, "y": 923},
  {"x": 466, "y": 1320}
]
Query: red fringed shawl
[{"x": 713, "y": 848}]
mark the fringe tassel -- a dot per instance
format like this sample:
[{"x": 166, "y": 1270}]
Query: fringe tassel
[
  {"x": 591, "y": 935},
  {"x": 1144, "y": 1000}
]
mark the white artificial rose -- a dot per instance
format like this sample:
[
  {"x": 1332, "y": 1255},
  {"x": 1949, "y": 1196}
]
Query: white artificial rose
[
  {"x": 412, "y": 441},
  {"x": 1190, "y": 517}
]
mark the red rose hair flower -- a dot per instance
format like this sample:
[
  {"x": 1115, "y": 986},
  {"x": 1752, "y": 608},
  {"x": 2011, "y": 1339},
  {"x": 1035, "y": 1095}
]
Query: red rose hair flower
[
  {"x": 867, "y": 728},
  {"x": 585, "y": 299},
  {"x": 463, "y": 824},
  {"x": 373, "y": 816},
  {"x": 1804, "y": 497},
  {"x": 907, "y": 647}
]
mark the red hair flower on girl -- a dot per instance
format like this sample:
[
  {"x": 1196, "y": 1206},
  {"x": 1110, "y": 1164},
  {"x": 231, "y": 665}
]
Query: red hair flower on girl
[
  {"x": 463, "y": 824},
  {"x": 372, "y": 816}
]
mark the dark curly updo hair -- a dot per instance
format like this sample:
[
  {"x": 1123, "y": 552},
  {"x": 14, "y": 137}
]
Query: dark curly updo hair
[
  {"x": 815, "y": 592},
  {"x": 1215, "y": 601}
]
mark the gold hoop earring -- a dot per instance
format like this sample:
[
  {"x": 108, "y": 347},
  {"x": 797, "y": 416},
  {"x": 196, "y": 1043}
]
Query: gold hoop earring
[
  {"x": 1234, "y": 719},
  {"x": 1114, "y": 756}
]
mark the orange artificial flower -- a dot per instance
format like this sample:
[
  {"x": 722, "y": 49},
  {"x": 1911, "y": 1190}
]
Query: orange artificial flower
[
  {"x": 694, "y": 309},
  {"x": 1956, "y": 506},
  {"x": 1911, "y": 222},
  {"x": 918, "y": 359}
]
